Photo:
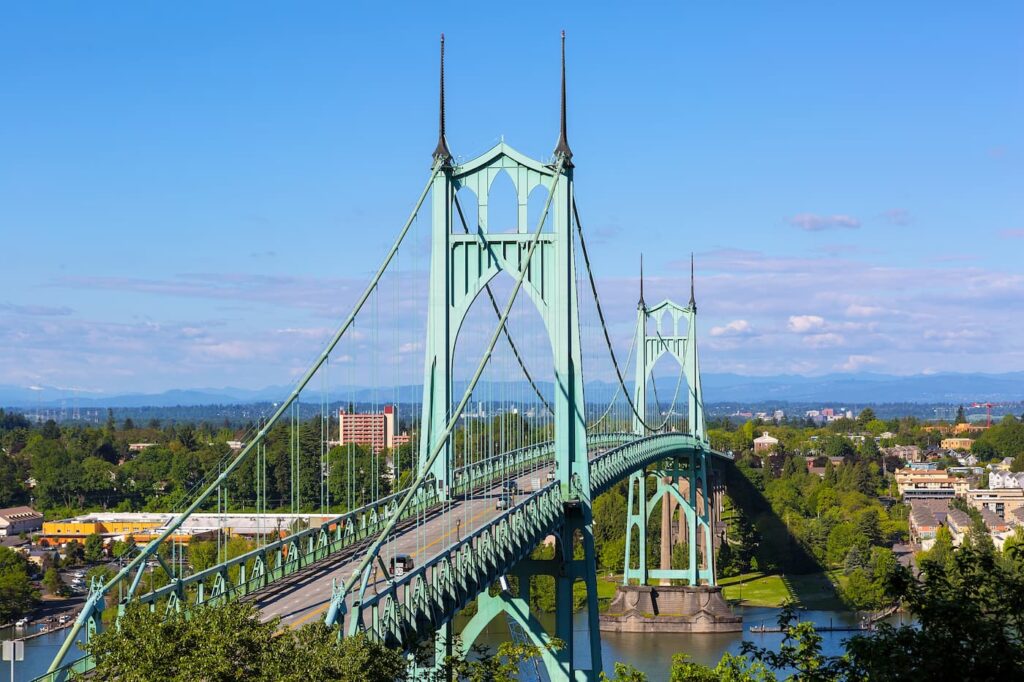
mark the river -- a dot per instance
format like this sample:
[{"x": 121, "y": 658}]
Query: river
[{"x": 650, "y": 653}]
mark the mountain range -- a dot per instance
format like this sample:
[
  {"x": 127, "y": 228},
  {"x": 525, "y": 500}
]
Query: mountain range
[{"x": 862, "y": 388}]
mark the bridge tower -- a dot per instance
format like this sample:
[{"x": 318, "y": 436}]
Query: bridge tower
[
  {"x": 461, "y": 267},
  {"x": 675, "y": 334}
]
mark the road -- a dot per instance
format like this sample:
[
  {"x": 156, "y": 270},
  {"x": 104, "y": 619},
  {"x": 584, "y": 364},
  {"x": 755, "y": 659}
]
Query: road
[{"x": 306, "y": 595}]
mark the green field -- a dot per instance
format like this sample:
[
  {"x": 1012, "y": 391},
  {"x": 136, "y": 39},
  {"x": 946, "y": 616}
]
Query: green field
[{"x": 813, "y": 591}]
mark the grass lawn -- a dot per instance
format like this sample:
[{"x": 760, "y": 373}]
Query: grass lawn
[
  {"x": 756, "y": 589},
  {"x": 813, "y": 591}
]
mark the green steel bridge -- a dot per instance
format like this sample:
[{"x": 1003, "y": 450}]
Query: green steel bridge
[{"x": 452, "y": 510}]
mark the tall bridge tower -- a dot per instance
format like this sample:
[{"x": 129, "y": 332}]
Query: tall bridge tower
[{"x": 462, "y": 265}]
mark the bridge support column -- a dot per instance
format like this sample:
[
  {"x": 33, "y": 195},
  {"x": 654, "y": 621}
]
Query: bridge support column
[{"x": 636, "y": 523}]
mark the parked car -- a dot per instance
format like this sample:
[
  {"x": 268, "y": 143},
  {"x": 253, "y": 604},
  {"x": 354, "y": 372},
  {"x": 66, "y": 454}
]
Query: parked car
[{"x": 401, "y": 564}]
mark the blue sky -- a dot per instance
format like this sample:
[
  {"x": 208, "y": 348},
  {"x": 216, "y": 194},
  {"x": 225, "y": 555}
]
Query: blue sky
[{"x": 192, "y": 195}]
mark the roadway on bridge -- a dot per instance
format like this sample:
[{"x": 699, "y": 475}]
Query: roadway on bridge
[{"x": 305, "y": 596}]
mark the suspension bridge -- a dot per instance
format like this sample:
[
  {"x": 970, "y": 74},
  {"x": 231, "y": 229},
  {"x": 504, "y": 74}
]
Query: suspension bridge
[{"x": 507, "y": 453}]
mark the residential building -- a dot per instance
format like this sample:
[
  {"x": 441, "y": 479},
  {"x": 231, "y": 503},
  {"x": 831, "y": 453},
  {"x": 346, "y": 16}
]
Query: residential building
[
  {"x": 1006, "y": 479},
  {"x": 1001, "y": 501},
  {"x": 765, "y": 443},
  {"x": 928, "y": 484},
  {"x": 925, "y": 518},
  {"x": 957, "y": 443},
  {"x": 376, "y": 429},
  {"x": 17, "y": 520},
  {"x": 139, "y": 447},
  {"x": 908, "y": 453}
]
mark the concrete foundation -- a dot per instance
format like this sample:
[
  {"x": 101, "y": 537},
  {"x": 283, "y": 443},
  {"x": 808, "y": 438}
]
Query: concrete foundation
[{"x": 670, "y": 608}]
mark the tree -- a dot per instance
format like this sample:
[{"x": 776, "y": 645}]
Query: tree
[
  {"x": 17, "y": 596},
  {"x": 622, "y": 672},
  {"x": 94, "y": 548},
  {"x": 961, "y": 418},
  {"x": 53, "y": 583},
  {"x": 230, "y": 642},
  {"x": 969, "y": 624},
  {"x": 866, "y": 415}
]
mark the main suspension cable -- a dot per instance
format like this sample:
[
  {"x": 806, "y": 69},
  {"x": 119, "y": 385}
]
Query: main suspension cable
[{"x": 604, "y": 326}]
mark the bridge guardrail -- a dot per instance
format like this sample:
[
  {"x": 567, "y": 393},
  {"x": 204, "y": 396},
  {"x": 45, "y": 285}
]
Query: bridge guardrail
[
  {"x": 418, "y": 603},
  {"x": 266, "y": 565}
]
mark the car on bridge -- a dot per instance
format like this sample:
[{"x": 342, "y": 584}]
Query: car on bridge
[
  {"x": 504, "y": 502},
  {"x": 551, "y": 475},
  {"x": 401, "y": 564},
  {"x": 510, "y": 487}
]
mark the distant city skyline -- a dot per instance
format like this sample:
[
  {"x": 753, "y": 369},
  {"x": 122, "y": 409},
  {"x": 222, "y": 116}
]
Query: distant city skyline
[{"x": 195, "y": 198}]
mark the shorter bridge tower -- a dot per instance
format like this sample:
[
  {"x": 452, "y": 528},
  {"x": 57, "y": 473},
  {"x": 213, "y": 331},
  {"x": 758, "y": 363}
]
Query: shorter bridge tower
[{"x": 685, "y": 481}]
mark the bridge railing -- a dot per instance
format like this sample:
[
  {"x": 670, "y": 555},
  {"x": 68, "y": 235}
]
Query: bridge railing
[
  {"x": 247, "y": 573},
  {"x": 415, "y": 605}
]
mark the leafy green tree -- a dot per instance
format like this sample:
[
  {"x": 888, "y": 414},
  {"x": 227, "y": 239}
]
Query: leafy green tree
[
  {"x": 202, "y": 554},
  {"x": 622, "y": 672},
  {"x": 53, "y": 583},
  {"x": 837, "y": 446},
  {"x": 729, "y": 669},
  {"x": 961, "y": 418},
  {"x": 94, "y": 548},
  {"x": 17, "y": 595},
  {"x": 969, "y": 624},
  {"x": 866, "y": 415}
]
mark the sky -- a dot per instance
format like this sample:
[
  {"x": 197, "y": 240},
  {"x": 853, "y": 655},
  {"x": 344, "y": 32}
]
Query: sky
[{"x": 194, "y": 195}]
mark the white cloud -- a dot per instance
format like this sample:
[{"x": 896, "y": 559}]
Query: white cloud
[
  {"x": 803, "y": 324},
  {"x": 811, "y": 222},
  {"x": 856, "y": 363},
  {"x": 734, "y": 328}
]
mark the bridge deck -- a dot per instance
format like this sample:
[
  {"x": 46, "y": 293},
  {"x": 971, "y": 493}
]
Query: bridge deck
[{"x": 307, "y": 594}]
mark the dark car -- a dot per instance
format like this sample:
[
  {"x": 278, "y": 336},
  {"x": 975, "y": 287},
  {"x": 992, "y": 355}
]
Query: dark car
[
  {"x": 401, "y": 564},
  {"x": 510, "y": 486}
]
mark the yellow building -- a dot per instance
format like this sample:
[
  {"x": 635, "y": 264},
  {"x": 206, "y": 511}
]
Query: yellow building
[
  {"x": 957, "y": 443},
  {"x": 66, "y": 530}
]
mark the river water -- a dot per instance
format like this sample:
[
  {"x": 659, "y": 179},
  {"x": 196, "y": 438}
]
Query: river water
[{"x": 651, "y": 653}]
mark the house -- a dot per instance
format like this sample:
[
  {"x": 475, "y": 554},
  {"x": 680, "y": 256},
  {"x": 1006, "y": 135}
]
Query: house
[
  {"x": 1006, "y": 479},
  {"x": 925, "y": 518},
  {"x": 17, "y": 520},
  {"x": 968, "y": 460},
  {"x": 765, "y": 443}
]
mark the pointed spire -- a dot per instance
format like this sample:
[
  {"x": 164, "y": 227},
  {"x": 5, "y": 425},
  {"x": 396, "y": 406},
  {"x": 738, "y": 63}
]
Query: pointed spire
[
  {"x": 640, "y": 303},
  {"x": 441, "y": 151},
  {"x": 562, "y": 148},
  {"x": 693, "y": 300}
]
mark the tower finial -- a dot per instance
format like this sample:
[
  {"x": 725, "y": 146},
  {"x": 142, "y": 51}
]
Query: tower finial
[
  {"x": 640, "y": 303},
  {"x": 562, "y": 148},
  {"x": 693, "y": 300},
  {"x": 441, "y": 151}
]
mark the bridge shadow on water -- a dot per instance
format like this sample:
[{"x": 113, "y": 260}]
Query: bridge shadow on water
[{"x": 779, "y": 551}]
